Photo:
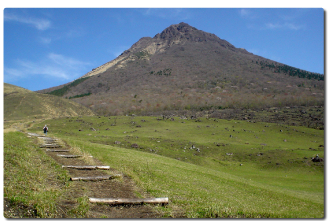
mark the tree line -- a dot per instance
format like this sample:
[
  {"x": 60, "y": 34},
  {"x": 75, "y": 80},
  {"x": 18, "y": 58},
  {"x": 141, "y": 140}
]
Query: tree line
[
  {"x": 291, "y": 71},
  {"x": 60, "y": 92}
]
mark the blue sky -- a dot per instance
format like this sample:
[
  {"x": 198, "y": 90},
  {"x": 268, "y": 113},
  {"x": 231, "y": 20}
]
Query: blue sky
[{"x": 46, "y": 47}]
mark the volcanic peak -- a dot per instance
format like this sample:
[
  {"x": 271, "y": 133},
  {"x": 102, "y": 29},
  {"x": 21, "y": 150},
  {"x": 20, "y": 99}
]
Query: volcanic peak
[{"x": 184, "y": 32}]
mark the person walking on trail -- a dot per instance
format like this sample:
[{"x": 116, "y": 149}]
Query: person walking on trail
[{"x": 45, "y": 129}]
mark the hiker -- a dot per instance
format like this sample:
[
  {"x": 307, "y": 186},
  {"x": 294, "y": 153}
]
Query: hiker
[{"x": 45, "y": 129}]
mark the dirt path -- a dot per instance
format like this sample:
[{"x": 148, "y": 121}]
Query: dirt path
[{"x": 114, "y": 188}]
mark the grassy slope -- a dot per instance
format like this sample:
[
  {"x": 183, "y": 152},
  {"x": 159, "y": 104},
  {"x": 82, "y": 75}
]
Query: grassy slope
[
  {"x": 22, "y": 104},
  {"x": 37, "y": 181},
  {"x": 282, "y": 182}
]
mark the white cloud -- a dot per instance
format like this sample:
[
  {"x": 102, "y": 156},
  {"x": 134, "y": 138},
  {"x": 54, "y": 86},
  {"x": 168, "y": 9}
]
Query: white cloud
[
  {"x": 272, "y": 20},
  {"x": 51, "y": 69},
  {"x": 45, "y": 41},
  {"x": 66, "y": 62},
  {"x": 38, "y": 23},
  {"x": 12, "y": 74},
  {"x": 285, "y": 25},
  {"x": 272, "y": 26},
  {"x": 168, "y": 13},
  {"x": 293, "y": 26},
  {"x": 244, "y": 12},
  {"x": 247, "y": 13},
  {"x": 54, "y": 66}
]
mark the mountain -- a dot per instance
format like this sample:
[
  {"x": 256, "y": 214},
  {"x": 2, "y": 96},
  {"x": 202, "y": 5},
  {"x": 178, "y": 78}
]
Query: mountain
[
  {"x": 22, "y": 104},
  {"x": 183, "y": 68}
]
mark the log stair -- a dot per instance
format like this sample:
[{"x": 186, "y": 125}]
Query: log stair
[
  {"x": 52, "y": 143},
  {"x": 95, "y": 178},
  {"x": 56, "y": 150},
  {"x": 69, "y": 156},
  {"x": 87, "y": 167},
  {"x": 115, "y": 201}
]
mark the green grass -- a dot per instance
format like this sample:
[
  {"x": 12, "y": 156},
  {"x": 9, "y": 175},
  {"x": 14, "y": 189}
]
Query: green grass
[
  {"x": 81, "y": 210},
  {"x": 269, "y": 173},
  {"x": 24, "y": 105},
  {"x": 32, "y": 180}
]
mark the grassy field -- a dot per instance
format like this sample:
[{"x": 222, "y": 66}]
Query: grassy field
[
  {"x": 209, "y": 167},
  {"x": 35, "y": 186},
  {"x": 32, "y": 181}
]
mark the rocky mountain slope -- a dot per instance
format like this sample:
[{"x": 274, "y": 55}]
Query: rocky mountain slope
[{"x": 183, "y": 68}]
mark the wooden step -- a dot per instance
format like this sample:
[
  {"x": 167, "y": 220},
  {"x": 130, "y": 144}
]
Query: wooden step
[
  {"x": 69, "y": 156},
  {"x": 95, "y": 178},
  {"x": 50, "y": 146},
  {"x": 129, "y": 201},
  {"x": 50, "y": 142},
  {"x": 48, "y": 138},
  {"x": 35, "y": 135},
  {"x": 56, "y": 150},
  {"x": 87, "y": 167}
]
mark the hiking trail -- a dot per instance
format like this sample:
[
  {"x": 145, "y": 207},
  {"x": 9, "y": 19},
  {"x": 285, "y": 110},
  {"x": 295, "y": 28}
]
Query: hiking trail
[{"x": 97, "y": 182}]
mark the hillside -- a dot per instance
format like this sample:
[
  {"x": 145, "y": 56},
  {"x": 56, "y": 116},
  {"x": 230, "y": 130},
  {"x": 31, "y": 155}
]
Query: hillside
[
  {"x": 183, "y": 68},
  {"x": 22, "y": 104},
  {"x": 208, "y": 168}
]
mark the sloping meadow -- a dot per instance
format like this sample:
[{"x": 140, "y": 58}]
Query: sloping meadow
[{"x": 209, "y": 167}]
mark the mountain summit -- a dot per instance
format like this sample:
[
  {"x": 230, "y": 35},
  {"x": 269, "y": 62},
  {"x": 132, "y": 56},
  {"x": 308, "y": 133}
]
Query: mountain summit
[
  {"x": 183, "y": 32},
  {"x": 179, "y": 34},
  {"x": 183, "y": 68}
]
